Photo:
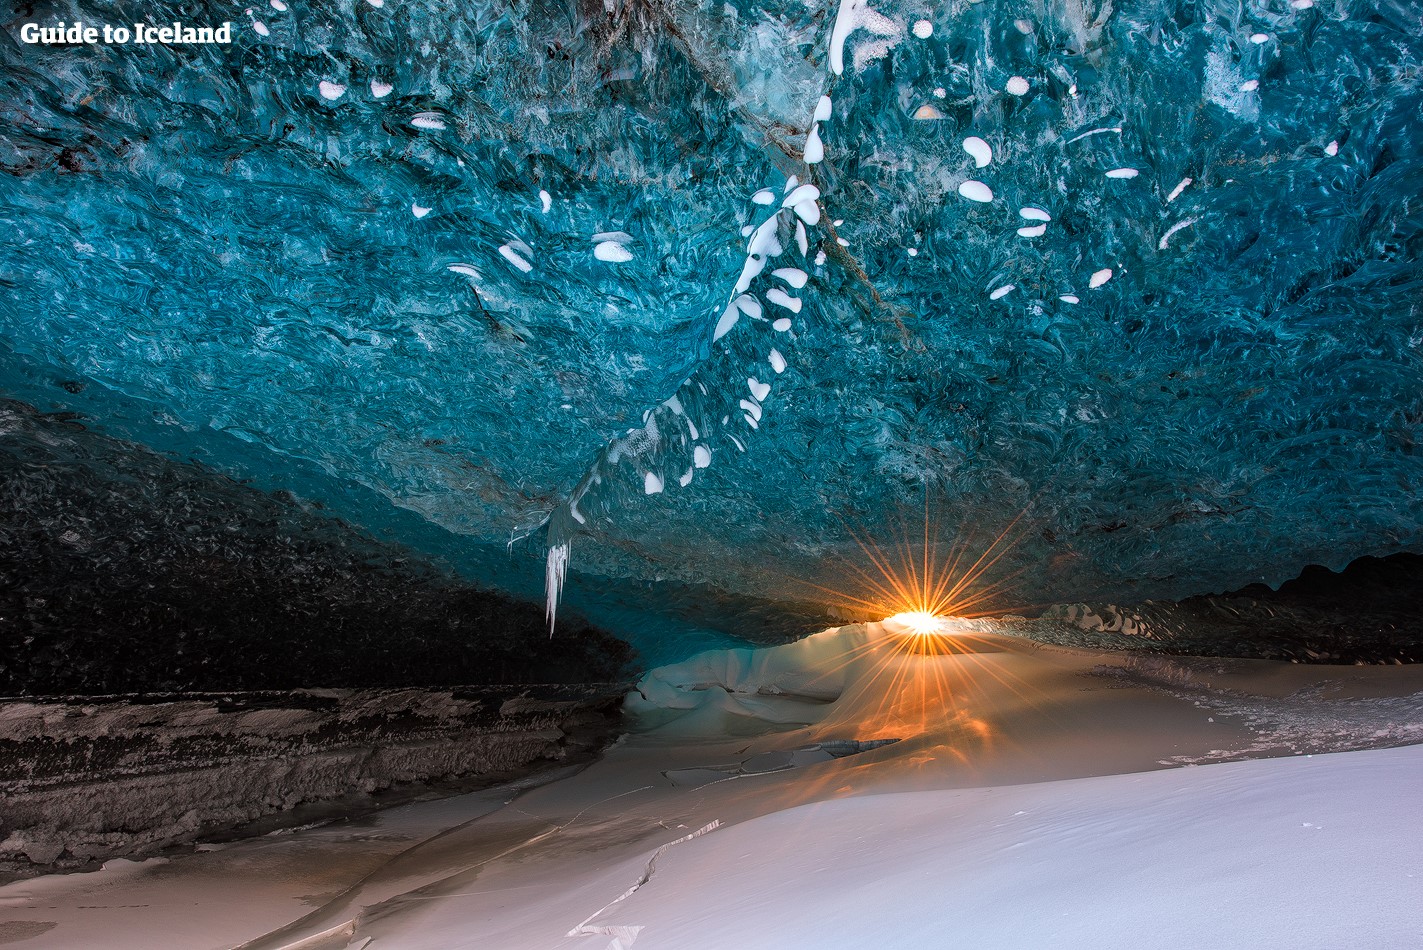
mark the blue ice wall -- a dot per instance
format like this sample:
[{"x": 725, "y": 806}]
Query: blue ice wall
[{"x": 441, "y": 265}]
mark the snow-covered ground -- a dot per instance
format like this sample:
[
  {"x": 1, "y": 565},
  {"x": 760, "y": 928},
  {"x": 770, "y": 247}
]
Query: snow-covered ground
[{"x": 1035, "y": 797}]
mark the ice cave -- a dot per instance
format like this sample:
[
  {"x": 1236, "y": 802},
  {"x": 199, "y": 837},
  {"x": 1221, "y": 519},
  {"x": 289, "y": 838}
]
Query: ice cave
[{"x": 773, "y": 473}]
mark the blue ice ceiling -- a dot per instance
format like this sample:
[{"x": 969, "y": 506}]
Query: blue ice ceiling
[{"x": 1146, "y": 272}]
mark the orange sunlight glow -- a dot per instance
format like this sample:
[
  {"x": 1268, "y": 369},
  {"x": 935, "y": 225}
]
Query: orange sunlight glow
[
  {"x": 917, "y": 591},
  {"x": 929, "y": 666},
  {"x": 919, "y": 623}
]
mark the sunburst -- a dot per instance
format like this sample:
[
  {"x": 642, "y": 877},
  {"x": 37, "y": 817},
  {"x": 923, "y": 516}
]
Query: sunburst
[
  {"x": 919, "y": 592},
  {"x": 933, "y": 663}
]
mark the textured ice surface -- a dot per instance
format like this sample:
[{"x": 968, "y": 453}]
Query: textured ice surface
[{"x": 225, "y": 255}]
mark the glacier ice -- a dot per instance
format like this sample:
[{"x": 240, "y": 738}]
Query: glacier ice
[{"x": 234, "y": 259}]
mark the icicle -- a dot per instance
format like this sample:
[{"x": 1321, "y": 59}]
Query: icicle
[{"x": 555, "y": 571}]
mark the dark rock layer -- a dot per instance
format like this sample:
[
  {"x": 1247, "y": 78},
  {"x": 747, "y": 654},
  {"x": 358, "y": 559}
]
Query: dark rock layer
[
  {"x": 1370, "y": 612},
  {"x": 124, "y": 571},
  {"x": 83, "y": 780}
]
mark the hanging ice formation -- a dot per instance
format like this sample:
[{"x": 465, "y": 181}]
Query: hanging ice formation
[
  {"x": 716, "y": 408},
  {"x": 723, "y": 401}
]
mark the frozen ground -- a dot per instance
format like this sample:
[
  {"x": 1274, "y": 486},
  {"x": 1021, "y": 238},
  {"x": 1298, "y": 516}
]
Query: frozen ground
[
  {"x": 85, "y": 779},
  {"x": 1035, "y": 798}
]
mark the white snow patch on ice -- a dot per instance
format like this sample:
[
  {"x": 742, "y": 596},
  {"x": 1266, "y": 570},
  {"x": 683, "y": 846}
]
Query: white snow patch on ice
[
  {"x": 1017, "y": 86},
  {"x": 331, "y": 90},
  {"x": 845, "y": 24},
  {"x": 1099, "y": 278},
  {"x": 728, "y": 320},
  {"x": 1032, "y": 231},
  {"x": 1002, "y": 292},
  {"x": 923, "y": 29},
  {"x": 419, "y": 210},
  {"x": 814, "y": 150},
  {"x": 431, "y": 121},
  {"x": 1090, "y": 132},
  {"x": 979, "y": 150},
  {"x": 800, "y": 194},
  {"x": 381, "y": 89},
  {"x": 791, "y": 275},
  {"x": 1123, "y": 173},
  {"x": 780, "y": 298},
  {"x": 1165, "y": 238},
  {"x": 612, "y": 252},
  {"x": 976, "y": 191},
  {"x": 763, "y": 244},
  {"x": 809, "y": 212},
  {"x": 510, "y": 254}
]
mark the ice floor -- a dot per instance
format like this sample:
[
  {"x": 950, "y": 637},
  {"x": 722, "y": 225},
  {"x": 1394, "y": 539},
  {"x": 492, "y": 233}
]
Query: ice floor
[{"x": 1036, "y": 796}]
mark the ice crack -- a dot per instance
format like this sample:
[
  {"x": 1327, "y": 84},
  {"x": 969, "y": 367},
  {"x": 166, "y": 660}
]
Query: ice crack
[{"x": 624, "y": 935}]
